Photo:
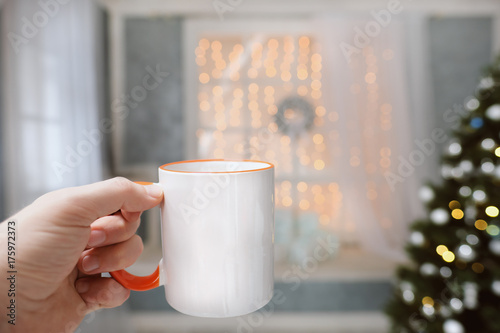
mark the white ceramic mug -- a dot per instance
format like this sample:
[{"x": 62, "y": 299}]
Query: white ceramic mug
[{"x": 217, "y": 235}]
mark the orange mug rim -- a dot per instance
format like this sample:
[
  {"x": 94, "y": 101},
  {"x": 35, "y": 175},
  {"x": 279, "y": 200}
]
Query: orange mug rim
[{"x": 164, "y": 166}]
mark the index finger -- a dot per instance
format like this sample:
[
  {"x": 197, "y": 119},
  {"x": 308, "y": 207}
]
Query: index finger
[{"x": 106, "y": 197}]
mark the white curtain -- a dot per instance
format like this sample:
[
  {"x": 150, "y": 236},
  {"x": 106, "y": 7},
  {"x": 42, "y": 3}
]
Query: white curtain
[
  {"x": 54, "y": 76},
  {"x": 53, "y": 96},
  {"x": 372, "y": 93}
]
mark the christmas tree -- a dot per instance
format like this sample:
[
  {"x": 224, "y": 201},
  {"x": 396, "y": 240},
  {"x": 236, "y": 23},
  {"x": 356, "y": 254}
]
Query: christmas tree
[{"x": 453, "y": 283}]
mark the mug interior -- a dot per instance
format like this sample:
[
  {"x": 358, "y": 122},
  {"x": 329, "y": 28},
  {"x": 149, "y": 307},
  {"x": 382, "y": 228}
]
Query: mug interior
[{"x": 216, "y": 166}]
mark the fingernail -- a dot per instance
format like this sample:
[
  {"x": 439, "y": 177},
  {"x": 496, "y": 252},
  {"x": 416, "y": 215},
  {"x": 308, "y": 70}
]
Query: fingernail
[
  {"x": 97, "y": 237},
  {"x": 154, "y": 190},
  {"x": 89, "y": 263},
  {"x": 82, "y": 286}
]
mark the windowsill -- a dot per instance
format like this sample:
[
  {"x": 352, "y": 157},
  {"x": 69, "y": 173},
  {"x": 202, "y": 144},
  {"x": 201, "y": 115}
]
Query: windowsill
[
  {"x": 351, "y": 264},
  {"x": 367, "y": 322}
]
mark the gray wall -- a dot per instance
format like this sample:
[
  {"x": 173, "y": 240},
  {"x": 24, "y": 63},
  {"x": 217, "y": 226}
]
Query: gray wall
[
  {"x": 310, "y": 296},
  {"x": 460, "y": 48},
  {"x": 154, "y": 129},
  {"x": 2, "y": 194}
]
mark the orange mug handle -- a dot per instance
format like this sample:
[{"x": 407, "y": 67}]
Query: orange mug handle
[{"x": 138, "y": 283}]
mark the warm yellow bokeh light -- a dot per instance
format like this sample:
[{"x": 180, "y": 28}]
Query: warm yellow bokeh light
[
  {"x": 481, "y": 224},
  {"x": 304, "y": 41},
  {"x": 370, "y": 77},
  {"x": 270, "y": 71},
  {"x": 448, "y": 256},
  {"x": 324, "y": 219},
  {"x": 319, "y": 199},
  {"x": 457, "y": 214},
  {"x": 316, "y": 189},
  {"x": 286, "y": 185},
  {"x": 219, "y": 153},
  {"x": 287, "y": 201},
  {"x": 216, "y": 45},
  {"x": 304, "y": 204},
  {"x": 477, "y": 268},
  {"x": 286, "y": 76},
  {"x": 204, "y": 106},
  {"x": 491, "y": 211},
  {"x": 440, "y": 249},
  {"x": 319, "y": 164},
  {"x": 427, "y": 301},
  {"x": 204, "y": 43},
  {"x": 318, "y": 139},
  {"x": 305, "y": 160},
  {"x": 497, "y": 151},
  {"x": 285, "y": 140},
  {"x": 454, "y": 204},
  {"x": 302, "y": 186},
  {"x": 204, "y": 78},
  {"x": 217, "y": 90},
  {"x": 302, "y": 74},
  {"x": 320, "y": 111}
]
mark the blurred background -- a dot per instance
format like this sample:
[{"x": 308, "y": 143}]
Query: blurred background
[{"x": 342, "y": 96}]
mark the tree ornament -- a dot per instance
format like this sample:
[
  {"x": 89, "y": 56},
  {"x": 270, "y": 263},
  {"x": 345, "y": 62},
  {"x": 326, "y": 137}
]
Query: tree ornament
[
  {"x": 470, "y": 295},
  {"x": 465, "y": 191},
  {"x": 488, "y": 144},
  {"x": 472, "y": 239},
  {"x": 426, "y": 194},
  {"x": 440, "y": 216},
  {"x": 445, "y": 311},
  {"x": 487, "y": 167},
  {"x": 417, "y": 238},
  {"x": 476, "y": 122},
  {"x": 457, "y": 173},
  {"x": 428, "y": 269},
  {"x": 470, "y": 213},
  {"x": 428, "y": 310},
  {"x": 466, "y": 253},
  {"x": 446, "y": 171},
  {"x": 479, "y": 196},
  {"x": 494, "y": 246},
  {"x": 405, "y": 285},
  {"x": 453, "y": 326},
  {"x": 472, "y": 104},
  {"x": 445, "y": 272},
  {"x": 495, "y": 287},
  {"x": 408, "y": 296},
  {"x": 486, "y": 83},
  {"x": 493, "y": 112},
  {"x": 466, "y": 166},
  {"x": 454, "y": 149},
  {"x": 456, "y": 305}
]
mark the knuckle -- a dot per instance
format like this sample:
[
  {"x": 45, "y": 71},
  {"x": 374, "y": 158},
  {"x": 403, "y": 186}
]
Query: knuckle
[
  {"x": 123, "y": 184},
  {"x": 137, "y": 239}
]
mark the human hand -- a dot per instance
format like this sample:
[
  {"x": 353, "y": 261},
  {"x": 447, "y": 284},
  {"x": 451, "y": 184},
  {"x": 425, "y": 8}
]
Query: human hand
[{"x": 65, "y": 239}]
